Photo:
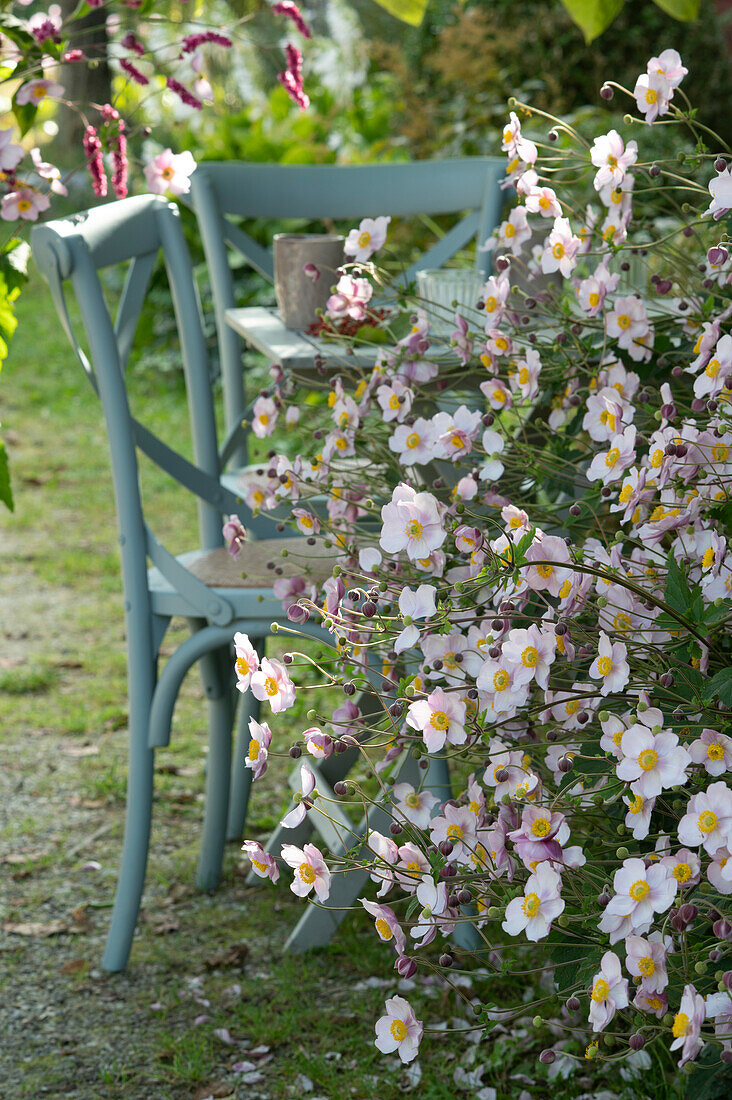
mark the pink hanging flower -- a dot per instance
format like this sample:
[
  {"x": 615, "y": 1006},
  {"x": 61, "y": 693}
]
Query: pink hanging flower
[
  {"x": 612, "y": 158},
  {"x": 290, "y": 10},
  {"x": 291, "y": 77},
  {"x": 713, "y": 751},
  {"x": 350, "y": 299},
  {"x": 561, "y": 249},
  {"x": 413, "y": 806},
  {"x": 95, "y": 161},
  {"x": 412, "y": 521},
  {"x": 646, "y": 959},
  {"x": 10, "y": 154}
]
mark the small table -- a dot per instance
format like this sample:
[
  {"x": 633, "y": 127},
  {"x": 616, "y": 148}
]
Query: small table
[{"x": 262, "y": 328}]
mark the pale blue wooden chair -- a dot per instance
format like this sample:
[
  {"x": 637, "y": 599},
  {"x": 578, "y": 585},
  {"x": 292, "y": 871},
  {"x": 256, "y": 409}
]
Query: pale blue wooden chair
[
  {"x": 205, "y": 586},
  {"x": 222, "y": 191}
]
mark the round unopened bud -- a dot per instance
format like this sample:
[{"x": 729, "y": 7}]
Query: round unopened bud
[
  {"x": 636, "y": 1041},
  {"x": 538, "y": 1021},
  {"x": 726, "y": 1057},
  {"x": 688, "y": 912},
  {"x": 340, "y": 788},
  {"x": 547, "y": 1057},
  {"x": 565, "y": 764},
  {"x": 464, "y": 896},
  {"x": 607, "y": 92},
  {"x": 575, "y": 510},
  {"x": 654, "y": 171},
  {"x": 295, "y": 752},
  {"x": 622, "y": 853},
  {"x": 502, "y": 775},
  {"x": 727, "y": 980},
  {"x": 445, "y": 847},
  {"x": 573, "y": 1004},
  {"x": 717, "y": 255},
  {"x": 720, "y": 164},
  {"x": 395, "y": 828},
  {"x": 446, "y": 960}
]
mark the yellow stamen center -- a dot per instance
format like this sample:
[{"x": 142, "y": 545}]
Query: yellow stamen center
[
  {"x": 306, "y": 873},
  {"x": 707, "y": 821},
  {"x": 530, "y": 657},
  {"x": 646, "y": 966},
  {"x": 639, "y": 890},
  {"x": 531, "y": 905},
  {"x": 648, "y": 759},
  {"x": 270, "y": 685},
  {"x": 398, "y": 1030},
  {"x": 253, "y": 750},
  {"x": 439, "y": 720},
  {"x": 382, "y": 927},
  {"x": 600, "y": 990},
  {"x": 541, "y": 827},
  {"x": 681, "y": 1025}
]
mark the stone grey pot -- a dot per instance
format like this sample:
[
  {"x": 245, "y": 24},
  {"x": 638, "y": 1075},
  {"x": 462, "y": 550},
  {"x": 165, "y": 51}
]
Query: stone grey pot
[{"x": 298, "y": 294}]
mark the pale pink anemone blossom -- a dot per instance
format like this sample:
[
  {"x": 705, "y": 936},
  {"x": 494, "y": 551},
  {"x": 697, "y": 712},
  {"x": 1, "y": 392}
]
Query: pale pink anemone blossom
[
  {"x": 25, "y": 204},
  {"x": 246, "y": 661},
  {"x": 548, "y": 559},
  {"x": 434, "y": 913},
  {"x": 458, "y": 826},
  {"x": 311, "y": 871},
  {"x": 493, "y": 444},
  {"x": 593, "y": 290},
  {"x": 419, "y": 604},
  {"x": 708, "y": 819},
  {"x": 412, "y": 521},
  {"x": 720, "y": 188},
  {"x": 608, "y": 466},
  {"x": 351, "y": 297},
  {"x": 412, "y": 805},
  {"x": 639, "y": 893},
  {"x": 713, "y": 751},
  {"x": 399, "y": 1030},
  {"x": 235, "y": 535},
  {"x": 610, "y": 666},
  {"x": 370, "y": 236},
  {"x": 260, "y": 738},
  {"x": 318, "y": 744},
  {"x": 543, "y": 200},
  {"x": 652, "y": 762},
  {"x": 608, "y": 993},
  {"x": 531, "y": 653},
  {"x": 263, "y": 864},
  {"x": 652, "y": 94},
  {"x": 536, "y": 840},
  {"x": 395, "y": 400},
  {"x": 296, "y": 815},
  {"x": 541, "y": 904},
  {"x": 10, "y": 154},
  {"x": 34, "y": 91},
  {"x": 612, "y": 158},
  {"x": 668, "y": 64},
  {"x": 514, "y": 232},
  {"x": 646, "y": 959},
  {"x": 440, "y": 718},
  {"x": 272, "y": 684},
  {"x": 170, "y": 171},
  {"x": 264, "y": 417},
  {"x": 685, "y": 866},
  {"x": 561, "y": 249},
  {"x": 687, "y": 1024},
  {"x": 387, "y": 925}
]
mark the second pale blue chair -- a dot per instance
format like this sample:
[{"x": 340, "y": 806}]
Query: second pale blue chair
[
  {"x": 224, "y": 193},
  {"x": 205, "y": 585}
]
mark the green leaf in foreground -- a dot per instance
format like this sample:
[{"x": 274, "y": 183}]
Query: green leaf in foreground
[
  {"x": 593, "y": 16},
  {"x": 409, "y": 11},
  {"x": 6, "y": 493},
  {"x": 684, "y": 10},
  {"x": 721, "y": 686}
]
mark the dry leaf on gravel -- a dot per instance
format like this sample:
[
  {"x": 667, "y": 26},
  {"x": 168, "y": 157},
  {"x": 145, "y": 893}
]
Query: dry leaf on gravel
[
  {"x": 235, "y": 955},
  {"x": 31, "y": 856},
  {"x": 86, "y": 803},
  {"x": 213, "y": 1091},
  {"x": 161, "y": 923},
  {"x": 74, "y": 966},
  {"x": 80, "y": 750},
  {"x": 38, "y": 928}
]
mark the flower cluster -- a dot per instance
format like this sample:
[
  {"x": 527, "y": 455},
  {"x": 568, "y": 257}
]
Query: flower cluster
[
  {"x": 534, "y": 555},
  {"x": 32, "y": 49}
]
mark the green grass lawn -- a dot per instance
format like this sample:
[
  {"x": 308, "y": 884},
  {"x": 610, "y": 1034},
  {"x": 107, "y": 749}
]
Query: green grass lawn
[{"x": 200, "y": 963}]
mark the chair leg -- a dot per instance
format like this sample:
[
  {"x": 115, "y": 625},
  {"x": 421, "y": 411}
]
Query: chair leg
[
  {"x": 241, "y": 775},
  {"x": 216, "y": 675},
  {"x": 138, "y": 814}
]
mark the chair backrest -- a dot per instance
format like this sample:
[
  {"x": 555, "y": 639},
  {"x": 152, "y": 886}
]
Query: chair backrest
[
  {"x": 224, "y": 190},
  {"x": 74, "y": 249}
]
